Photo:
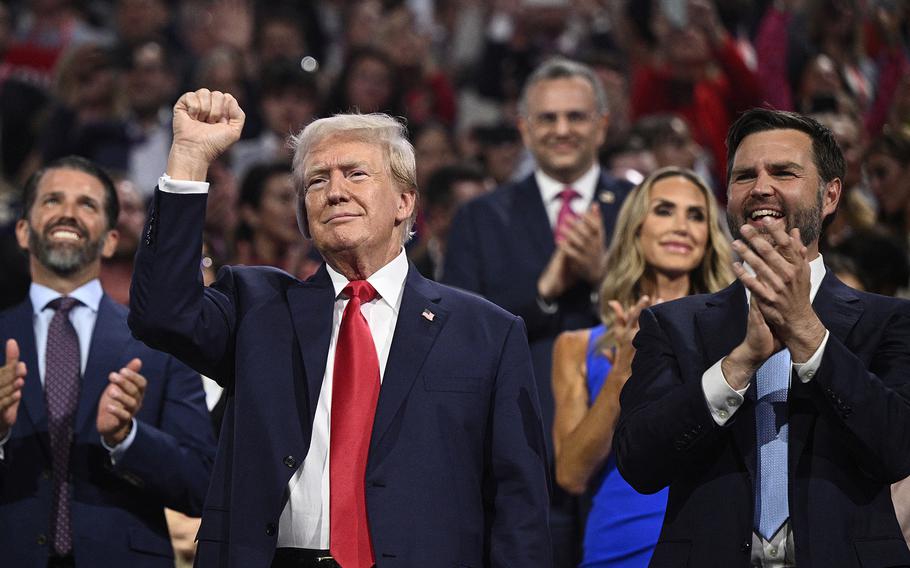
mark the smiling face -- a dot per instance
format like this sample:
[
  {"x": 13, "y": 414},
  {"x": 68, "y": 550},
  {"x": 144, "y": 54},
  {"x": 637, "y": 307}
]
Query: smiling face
[
  {"x": 674, "y": 233},
  {"x": 563, "y": 129},
  {"x": 774, "y": 181},
  {"x": 67, "y": 226},
  {"x": 356, "y": 213}
]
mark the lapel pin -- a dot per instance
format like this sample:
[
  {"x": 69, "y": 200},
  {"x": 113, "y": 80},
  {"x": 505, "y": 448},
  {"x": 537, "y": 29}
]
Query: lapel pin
[
  {"x": 428, "y": 315},
  {"x": 608, "y": 197}
]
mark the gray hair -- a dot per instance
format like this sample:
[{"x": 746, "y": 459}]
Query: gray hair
[
  {"x": 375, "y": 128},
  {"x": 562, "y": 68}
]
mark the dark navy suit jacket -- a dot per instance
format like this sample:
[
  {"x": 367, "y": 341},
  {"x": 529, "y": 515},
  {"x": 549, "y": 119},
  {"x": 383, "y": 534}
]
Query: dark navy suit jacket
[
  {"x": 456, "y": 473},
  {"x": 499, "y": 245},
  {"x": 117, "y": 510},
  {"x": 849, "y": 432}
]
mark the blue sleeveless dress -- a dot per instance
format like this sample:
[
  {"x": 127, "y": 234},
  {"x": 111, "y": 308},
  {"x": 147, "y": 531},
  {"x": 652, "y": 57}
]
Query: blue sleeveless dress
[{"x": 623, "y": 525}]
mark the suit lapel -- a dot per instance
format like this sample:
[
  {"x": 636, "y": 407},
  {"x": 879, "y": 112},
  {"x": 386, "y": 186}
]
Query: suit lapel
[
  {"x": 23, "y": 329},
  {"x": 311, "y": 303},
  {"x": 838, "y": 307},
  {"x": 722, "y": 326},
  {"x": 530, "y": 218},
  {"x": 420, "y": 320},
  {"x": 108, "y": 343}
]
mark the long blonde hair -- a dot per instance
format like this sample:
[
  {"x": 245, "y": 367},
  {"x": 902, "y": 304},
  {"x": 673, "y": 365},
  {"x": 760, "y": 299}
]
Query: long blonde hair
[{"x": 626, "y": 265}]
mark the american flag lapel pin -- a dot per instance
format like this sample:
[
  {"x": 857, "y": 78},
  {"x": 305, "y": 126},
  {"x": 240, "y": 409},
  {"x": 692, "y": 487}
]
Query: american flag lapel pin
[{"x": 428, "y": 315}]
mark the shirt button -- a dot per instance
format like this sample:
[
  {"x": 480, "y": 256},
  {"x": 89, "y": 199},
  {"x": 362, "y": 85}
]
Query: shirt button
[
  {"x": 722, "y": 414},
  {"x": 734, "y": 402},
  {"x": 810, "y": 373}
]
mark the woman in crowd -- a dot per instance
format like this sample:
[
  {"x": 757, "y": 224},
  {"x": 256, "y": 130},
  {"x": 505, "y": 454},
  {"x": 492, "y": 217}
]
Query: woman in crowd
[{"x": 667, "y": 244}]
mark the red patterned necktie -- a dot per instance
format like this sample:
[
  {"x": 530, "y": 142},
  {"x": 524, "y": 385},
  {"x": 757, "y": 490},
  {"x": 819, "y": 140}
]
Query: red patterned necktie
[
  {"x": 566, "y": 216},
  {"x": 61, "y": 391},
  {"x": 355, "y": 390}
]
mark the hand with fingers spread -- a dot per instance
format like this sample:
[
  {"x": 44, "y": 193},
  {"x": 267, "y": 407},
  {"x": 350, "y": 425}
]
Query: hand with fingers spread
[
  {"x": 206, "y": 123},
  {"x": 625, "y": 326},
  {"x": 120, "y": 402},
  {"x": 780, "y": 287},
  {"x": 12, "y": 379}
]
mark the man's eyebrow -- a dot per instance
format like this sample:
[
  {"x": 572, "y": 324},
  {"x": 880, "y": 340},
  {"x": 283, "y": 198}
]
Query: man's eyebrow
[
  {"x": 785, "y": 166},
  {"x": 342, "y": 165}
]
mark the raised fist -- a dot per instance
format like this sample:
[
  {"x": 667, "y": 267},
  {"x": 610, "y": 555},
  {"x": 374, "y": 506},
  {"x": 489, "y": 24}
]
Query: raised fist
[{"x": 206, "y": 123}]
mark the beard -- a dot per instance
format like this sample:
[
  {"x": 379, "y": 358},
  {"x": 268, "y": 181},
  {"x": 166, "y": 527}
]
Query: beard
[
  {"x": 807, "y": 219},
  {"x": 64, "y": 259}
]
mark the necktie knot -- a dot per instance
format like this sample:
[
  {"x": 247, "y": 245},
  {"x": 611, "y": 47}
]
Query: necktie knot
[
  {"x": 360, "y": 289},
  {"x": 63, "y": 304},
  {"x": 567, "y": 195}
]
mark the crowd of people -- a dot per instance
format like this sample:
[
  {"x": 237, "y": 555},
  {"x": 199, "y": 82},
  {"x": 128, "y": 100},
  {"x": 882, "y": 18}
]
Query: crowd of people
[{"x": 569, "y": 162}]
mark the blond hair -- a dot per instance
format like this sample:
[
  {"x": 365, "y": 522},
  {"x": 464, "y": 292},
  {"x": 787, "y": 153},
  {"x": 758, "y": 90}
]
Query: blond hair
[
  {"x": 375, "y": 128},
  {"x": 626, "y": 267}
]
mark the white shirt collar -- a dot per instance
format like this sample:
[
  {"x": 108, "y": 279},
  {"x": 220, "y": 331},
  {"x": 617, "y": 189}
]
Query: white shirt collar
[
  {"x": 816, "y": 275},
  {"x": 586, "y": 185},
  {"x": 388, "y": 280},
  {"x": 89, "y": 294}
]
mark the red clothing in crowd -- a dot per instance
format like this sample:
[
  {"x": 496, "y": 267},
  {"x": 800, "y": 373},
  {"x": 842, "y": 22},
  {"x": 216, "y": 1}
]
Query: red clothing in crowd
[{"x": 710, "y": 105}]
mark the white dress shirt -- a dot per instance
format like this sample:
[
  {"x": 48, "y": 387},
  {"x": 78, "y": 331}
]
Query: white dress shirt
[
  {"x": 304, "y": 522},
  {"x": 550, "y": 188}
]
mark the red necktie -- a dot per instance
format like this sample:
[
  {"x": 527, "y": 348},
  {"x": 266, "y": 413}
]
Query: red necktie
[
  {"x": 566, "y": 216},
  {"x": 355, "y": 390}
]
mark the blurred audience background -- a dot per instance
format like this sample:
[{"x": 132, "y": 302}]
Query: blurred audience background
[{"x": 97, "y": 78}]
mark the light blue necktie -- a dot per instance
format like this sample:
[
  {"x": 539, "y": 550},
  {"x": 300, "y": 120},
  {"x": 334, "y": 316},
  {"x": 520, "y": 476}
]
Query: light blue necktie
[{"x": 772, "y": 383}]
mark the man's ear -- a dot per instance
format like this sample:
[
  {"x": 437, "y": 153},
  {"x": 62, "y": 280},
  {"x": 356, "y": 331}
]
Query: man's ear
[
  {"x": 406, "y": 204},
  {"x": 111, "y": 238},
  {"x": 831, "y": 197},
  {"x": 22, "y": 233}
]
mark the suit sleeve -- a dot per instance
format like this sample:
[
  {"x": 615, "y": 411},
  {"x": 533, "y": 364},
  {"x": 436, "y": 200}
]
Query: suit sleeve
[
  {"x": 664, "y": 422},
  {"x": 870, "y": 403},
  {"x": 172, "y": 457},
  {"x": 516, "y": 487},
  {"x": 170, "y": 309}
]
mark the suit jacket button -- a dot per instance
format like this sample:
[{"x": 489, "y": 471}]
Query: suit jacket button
[
  {"x": 746, "y": 546},
  {"x": 46, "y": 474},
  {"x": 41, "y": 540},
  {"x": 290, "y": 461},
  {"x": 270, "y": 529}
]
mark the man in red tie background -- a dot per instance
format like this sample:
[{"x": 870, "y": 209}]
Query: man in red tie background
[
  {"x": 373, "y": 417},
  {"x": 537, "y": 247}
]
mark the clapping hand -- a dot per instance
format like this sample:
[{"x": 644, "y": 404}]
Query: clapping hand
[
  {"x": 120, "y": 402},
  {"x": 12, "y": 379}
]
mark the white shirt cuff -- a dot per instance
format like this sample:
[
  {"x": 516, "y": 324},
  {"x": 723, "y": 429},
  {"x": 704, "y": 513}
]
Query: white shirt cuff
[
  {"x": 805, "y": 371},
  {"x": 723, "y": 400},
  {"x": 168, "y": 185},
  {"x": 118, "y": 450},
  {"x": 3, "y": 443}
]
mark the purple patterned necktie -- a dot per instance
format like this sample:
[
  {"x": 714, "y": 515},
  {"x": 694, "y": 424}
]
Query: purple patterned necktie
[{"x": 61, "y": 391}]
